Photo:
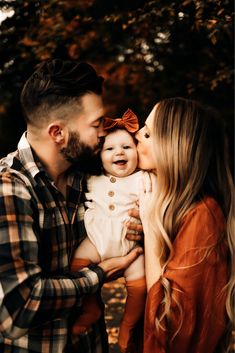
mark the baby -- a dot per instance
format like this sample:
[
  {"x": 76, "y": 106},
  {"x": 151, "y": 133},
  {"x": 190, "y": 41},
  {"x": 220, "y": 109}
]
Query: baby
[{"x": 110, "y": 196}]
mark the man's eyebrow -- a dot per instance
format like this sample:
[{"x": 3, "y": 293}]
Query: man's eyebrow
[{"x": 100, "y": 120}]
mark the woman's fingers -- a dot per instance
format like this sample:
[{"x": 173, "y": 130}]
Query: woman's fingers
[
  {"x": 135, "y": 228},
  {"x": 134, "y": 212},
  {"x": 138, "y": 237}
]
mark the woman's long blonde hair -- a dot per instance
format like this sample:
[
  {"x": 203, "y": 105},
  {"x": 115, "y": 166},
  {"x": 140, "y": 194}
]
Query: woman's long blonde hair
[{"x": 190, "y": 151}]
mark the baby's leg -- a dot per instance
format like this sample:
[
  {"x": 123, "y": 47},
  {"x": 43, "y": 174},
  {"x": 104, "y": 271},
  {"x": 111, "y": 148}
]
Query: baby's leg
[
  {"x": 86, "y": 251},
  {"x": 135, "y": 302},
  {"x": 84, "y": 255}
]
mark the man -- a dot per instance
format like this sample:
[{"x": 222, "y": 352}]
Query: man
[{"x": 41, "y": 213}]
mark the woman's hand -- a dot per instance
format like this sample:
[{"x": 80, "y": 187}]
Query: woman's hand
[
  {"x": 134, "y": 225},
  {"x": 135, "y": 228},
  {"x": 115, "y": 266}
]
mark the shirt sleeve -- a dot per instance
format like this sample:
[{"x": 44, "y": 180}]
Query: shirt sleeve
[
  {"x": 28, "y": 299},
  {"x": 197, "y": 275}
]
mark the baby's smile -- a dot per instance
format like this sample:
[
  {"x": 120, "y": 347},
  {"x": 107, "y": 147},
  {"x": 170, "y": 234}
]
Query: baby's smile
[{"x": 120, "y": 162}]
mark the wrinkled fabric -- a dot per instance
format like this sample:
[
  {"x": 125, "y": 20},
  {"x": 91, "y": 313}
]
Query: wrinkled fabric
[
  {"x": 197, "y": 277},
  {"x": 39, "y": 231}
]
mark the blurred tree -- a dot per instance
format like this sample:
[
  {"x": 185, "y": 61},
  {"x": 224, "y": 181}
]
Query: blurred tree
[{"x": 146, "y": 50}]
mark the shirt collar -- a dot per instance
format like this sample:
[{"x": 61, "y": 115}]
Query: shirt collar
[
  {"x": 28, "y": 158},
  {"x": 32, "y": 163}
]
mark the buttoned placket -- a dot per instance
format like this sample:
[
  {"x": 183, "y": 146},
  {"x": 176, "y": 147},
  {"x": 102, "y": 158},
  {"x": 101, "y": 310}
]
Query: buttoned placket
[{"x": 111, "y": 193}]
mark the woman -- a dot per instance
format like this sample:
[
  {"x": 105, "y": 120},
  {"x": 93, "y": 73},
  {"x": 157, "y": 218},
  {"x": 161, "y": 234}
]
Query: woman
[{"x": 188, "y": 229}]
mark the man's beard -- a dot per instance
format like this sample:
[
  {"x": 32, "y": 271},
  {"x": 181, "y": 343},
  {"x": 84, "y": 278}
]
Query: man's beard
[{"x": 82, "y": 156}]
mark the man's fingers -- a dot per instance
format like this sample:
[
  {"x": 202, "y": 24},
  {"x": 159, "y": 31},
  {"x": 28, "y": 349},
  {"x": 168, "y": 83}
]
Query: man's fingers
[
  {"x": 133, "y": 254},
  {"x": 113, "y": 266}
]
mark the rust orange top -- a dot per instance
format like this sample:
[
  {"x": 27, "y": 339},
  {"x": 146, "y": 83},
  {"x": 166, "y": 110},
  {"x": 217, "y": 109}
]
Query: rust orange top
[{"x": 197, "y": 277}]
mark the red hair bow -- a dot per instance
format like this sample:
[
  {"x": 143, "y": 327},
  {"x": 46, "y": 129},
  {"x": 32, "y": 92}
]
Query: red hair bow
[{"x": 128, "y": 121}]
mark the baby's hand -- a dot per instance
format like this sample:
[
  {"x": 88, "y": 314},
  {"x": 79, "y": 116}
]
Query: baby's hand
[{"x": 134, "y": 228}]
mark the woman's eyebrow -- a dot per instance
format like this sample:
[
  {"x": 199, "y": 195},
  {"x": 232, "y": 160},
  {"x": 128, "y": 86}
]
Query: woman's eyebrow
[{"x": 145, "y": 125}]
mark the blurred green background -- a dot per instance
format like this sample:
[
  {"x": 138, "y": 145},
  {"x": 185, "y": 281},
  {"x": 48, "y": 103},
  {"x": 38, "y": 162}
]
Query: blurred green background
[{"x": 145, "y": 50}]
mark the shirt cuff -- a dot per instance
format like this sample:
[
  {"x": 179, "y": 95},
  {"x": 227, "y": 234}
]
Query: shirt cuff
[{"x": 99, "y": 271}]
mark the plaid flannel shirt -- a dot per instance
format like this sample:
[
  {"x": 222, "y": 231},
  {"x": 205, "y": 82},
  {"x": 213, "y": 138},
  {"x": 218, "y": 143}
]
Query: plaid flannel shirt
[{"x": 39, "y": 231}]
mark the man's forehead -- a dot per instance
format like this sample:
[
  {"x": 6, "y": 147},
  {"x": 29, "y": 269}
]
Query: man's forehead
[{"x": 90, "y": 100}]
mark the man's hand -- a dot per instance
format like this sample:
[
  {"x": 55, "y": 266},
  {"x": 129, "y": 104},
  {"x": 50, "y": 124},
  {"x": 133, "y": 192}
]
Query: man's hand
[
  {"x": 134, "y": 229},
  {"x": 115, "y": 266}
]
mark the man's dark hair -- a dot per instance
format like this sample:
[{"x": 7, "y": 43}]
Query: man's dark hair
[{"x": 54, "y": 84}]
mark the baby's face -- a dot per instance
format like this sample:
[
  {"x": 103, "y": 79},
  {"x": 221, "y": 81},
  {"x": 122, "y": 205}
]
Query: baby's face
[{"x": 119, "y": 154}]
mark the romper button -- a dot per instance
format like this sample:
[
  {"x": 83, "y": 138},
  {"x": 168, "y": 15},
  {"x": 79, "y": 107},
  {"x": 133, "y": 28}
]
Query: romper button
[
  {"x": 113, "y": 180},
  {"x": 111, "y": 207},
  {"x": 111, "y": 193}
]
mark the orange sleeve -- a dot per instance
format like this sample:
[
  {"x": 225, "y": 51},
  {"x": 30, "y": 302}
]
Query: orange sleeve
[{"x": 197, "y": 277}]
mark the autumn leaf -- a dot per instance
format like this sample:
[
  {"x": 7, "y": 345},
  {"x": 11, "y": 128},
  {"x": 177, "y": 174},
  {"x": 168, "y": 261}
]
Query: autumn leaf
[{"x": 28, "y": 42}]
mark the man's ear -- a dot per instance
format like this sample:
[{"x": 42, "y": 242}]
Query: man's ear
[{"x": 57, "y": 132}]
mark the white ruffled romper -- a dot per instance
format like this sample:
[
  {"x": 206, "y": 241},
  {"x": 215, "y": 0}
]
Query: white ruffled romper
[{"x": 109, "y": 199}]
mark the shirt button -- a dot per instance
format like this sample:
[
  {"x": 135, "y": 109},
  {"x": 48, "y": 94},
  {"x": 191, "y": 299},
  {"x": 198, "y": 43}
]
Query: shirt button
[
  {"x": 113, "y": 180},
  {"x": 111, "y": 207},
  {"x": 111, "y": 193}
]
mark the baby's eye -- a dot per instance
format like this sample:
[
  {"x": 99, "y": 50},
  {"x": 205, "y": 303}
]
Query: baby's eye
[
  {"x": 109, "y": 149},
  {"x": 126, "y": 147},
  {"x": 146, "y": 135}
]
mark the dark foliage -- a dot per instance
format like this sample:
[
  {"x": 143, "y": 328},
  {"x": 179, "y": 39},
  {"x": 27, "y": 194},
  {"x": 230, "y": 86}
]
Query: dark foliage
[{"x": 146, "y": 50}]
